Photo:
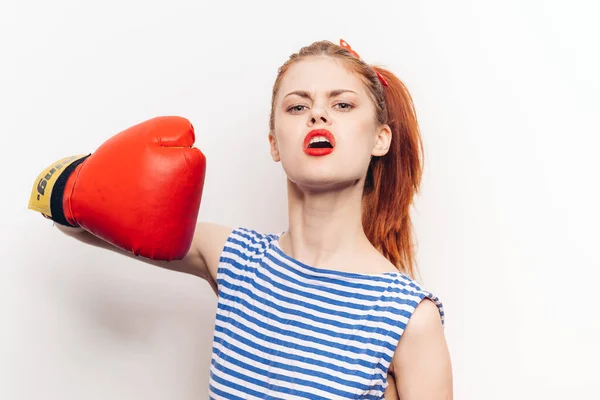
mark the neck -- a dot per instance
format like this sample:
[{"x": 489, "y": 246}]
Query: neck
[{"x": 325, "y": 228}]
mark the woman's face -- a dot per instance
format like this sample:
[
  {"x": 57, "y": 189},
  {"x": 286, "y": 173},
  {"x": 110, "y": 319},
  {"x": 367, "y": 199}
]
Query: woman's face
[{"x": 321, "y": 101}]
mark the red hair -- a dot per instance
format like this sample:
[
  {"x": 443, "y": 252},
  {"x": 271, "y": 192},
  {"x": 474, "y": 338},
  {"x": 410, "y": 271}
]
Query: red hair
[{"x": 392, "y": 180}]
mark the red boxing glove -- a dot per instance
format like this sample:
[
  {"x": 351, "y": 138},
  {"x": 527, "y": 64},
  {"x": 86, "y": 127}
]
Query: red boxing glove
[{"x": 140, "y": 190}]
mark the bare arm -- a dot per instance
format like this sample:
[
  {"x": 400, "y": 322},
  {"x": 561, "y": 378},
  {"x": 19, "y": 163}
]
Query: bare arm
[
  {"x": 421, "y": 364},
  {"x": 202, "y": 259}
]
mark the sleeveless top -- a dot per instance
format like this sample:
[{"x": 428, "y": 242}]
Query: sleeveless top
[{"x": 286, "y": 330}]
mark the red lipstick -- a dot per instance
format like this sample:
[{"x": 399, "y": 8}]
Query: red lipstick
[{"x": 319, "y": 151}]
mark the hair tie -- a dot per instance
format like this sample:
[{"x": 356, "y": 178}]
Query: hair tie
[{"x": 346, "y": 46}]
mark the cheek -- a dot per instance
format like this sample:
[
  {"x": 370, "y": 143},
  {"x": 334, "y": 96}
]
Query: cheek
[
  {"x": 363, "y": 136},
  {"x": 288, "y": 133},
  {"x": 285, "y": 142}
]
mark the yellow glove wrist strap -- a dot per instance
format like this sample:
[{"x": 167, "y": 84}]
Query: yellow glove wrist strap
[{"x": 41, "y": 192}]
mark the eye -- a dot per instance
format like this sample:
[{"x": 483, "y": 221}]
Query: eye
[
  {"x": 296, "y": 108},
  {"x": 345, "y": 106}
]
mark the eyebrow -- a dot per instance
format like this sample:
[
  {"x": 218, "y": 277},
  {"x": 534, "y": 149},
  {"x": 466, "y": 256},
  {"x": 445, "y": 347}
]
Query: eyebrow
[{"x": 331, "y": 93}]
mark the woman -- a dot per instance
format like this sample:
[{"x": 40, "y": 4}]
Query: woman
[{"x": 318, "y": 311}]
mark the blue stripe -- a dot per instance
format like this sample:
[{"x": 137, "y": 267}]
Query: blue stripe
[
  {"x": 225, "y": 395},
  {"x": 242, "y": 388},
  {"x": 385, "y": 277},
  {"x": 419, "y": 293},
  {"x": 332, "y": 322},
  {"x": 271, "y": 363},
  {"x": 316, "y": 279},
  {"x": 318, "y": 287},
  {"x": 334, "y": 313},
  {"x": 281, "y": 377},
  {"x": 305, "y": 349},
  {"x": 302, "y": 325},
  {"x": 297, "y": 335},
  {"x": 398, "y": 276},
  {"x": 377, "y": 298},
  {"x": 329, "y": 279},
  {"x": 257, "y": 240}
]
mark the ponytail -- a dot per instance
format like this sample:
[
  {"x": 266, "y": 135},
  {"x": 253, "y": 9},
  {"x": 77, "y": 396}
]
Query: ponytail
[{"x": 393, "y": 180}]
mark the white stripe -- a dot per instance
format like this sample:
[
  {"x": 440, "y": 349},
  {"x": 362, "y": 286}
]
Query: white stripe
[
  {"x": 401, "y": 284},
  {"x": 286, "y": 384},
  {"x": 262, "y": 378},
  {"x": 339, "y": 298},
  {"x": 312, "y": 300},
  {"x": 238, "y": 381},
  {"x": 255, "y": 248},
  {"x": 301, "y": 331},
  {"x": 315, "y": 291},
  {"x": 226, "y": 389},
  {"x": 306, "y": 355},
  {"x": 358, "y": 342},
  {"x": 365, "y": 280},
  {"x": 328, "y": 316},
  {"x": 411, "y": 284}
]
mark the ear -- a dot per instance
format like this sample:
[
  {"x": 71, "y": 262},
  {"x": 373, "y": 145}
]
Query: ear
[
  {"x": 274, "y": 150},
  {"x": 382, "y": 141}
]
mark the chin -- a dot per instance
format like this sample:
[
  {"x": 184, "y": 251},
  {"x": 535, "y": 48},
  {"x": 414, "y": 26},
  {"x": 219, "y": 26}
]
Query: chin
[
  {"x": 323, "y": 181},
  {"x": 323, "y": 173}
]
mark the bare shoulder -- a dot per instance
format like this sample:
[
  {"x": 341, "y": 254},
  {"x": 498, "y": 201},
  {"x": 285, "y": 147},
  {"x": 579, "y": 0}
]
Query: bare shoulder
[
  {"x": 421, "y": 363},
  {"x": 425, "y": 322},
  {"x": 425, "y": 319}
]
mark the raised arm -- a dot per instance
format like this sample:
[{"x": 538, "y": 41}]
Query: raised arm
[
  {"x": 201, "y": 260},
  {"x": 138, "y": 194}
]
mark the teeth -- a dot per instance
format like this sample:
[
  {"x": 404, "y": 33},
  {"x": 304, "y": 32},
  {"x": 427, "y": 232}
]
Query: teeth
[{"x": 317, "y": 139}]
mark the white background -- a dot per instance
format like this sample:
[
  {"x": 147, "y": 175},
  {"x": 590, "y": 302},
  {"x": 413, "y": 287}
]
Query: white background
[{"x": 507, "y": 219}]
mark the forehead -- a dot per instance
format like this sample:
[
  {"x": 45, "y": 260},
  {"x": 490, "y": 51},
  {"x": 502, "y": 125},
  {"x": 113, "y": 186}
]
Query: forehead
[{"x": 318, "y": 75}]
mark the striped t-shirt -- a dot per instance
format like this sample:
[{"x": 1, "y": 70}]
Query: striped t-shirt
[{"x": 287, "y": 330}]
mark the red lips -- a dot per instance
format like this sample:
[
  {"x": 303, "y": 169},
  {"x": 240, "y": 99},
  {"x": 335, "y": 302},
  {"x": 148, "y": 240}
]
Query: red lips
[{"x": 321, "y": 151}]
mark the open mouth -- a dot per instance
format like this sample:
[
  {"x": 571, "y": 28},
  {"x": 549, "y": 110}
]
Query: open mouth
[{"x": 319, "y": 142}]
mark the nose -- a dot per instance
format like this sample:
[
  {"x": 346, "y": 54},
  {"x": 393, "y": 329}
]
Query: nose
[{"x": 318, "y": 115}]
